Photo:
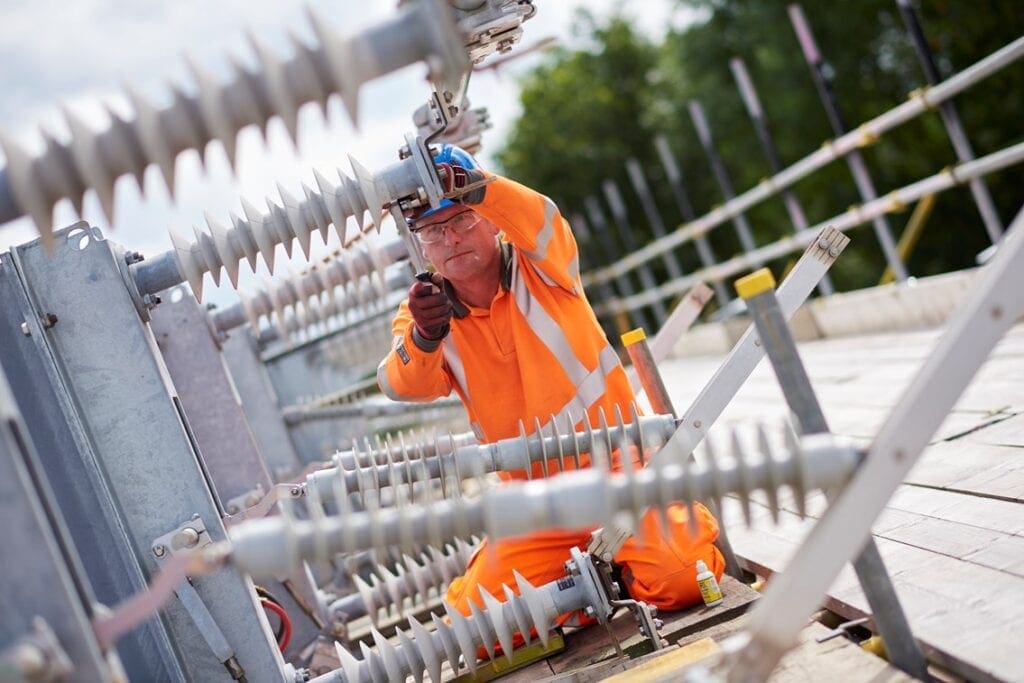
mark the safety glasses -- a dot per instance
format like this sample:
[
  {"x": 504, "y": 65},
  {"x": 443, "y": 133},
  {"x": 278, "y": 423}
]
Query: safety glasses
[{"x": 458, "y": 225}]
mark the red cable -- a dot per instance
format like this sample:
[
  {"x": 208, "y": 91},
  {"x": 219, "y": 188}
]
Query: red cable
[{"x": 285, "y": 621}]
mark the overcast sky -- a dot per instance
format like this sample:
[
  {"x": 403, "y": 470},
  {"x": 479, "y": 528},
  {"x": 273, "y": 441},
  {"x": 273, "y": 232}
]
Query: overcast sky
[{"x": 77, "y": 54}]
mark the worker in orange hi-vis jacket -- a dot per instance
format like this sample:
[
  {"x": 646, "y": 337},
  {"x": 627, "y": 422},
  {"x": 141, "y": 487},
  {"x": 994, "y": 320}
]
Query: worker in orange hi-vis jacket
[{"x": 505, "y": 323}]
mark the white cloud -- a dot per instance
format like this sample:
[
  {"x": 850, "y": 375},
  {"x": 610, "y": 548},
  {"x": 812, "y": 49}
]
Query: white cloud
[{"x": 81, "y": 52}]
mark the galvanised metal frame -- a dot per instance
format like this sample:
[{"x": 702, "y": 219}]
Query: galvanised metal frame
[
  {"x": 74, "y": 473},
  {"x": 112, "y": 382},
  {"x": 993, "y": 306},
  {"x": 41, "y": 578},
  {"x": 261, "y": 406},
  {"x": 886, "y": 610},
  {"x": 207, "y": 394}
]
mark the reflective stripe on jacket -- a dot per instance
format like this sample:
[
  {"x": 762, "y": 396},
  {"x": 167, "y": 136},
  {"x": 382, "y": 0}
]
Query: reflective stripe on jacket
[{"x": 537, "y": 352}]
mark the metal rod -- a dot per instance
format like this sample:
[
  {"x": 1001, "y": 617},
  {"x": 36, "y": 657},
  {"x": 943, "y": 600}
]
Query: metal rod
[
  {"x": 9, "y": 209},
  {"x": 592, "y": 255},
  {"x": 951, "y": 122},
  {"x": 600, "y": 225},
  {"x": 992, "y": 307},
  {"x": 620, "y": 218},
  {"x": 771, "y": 152},
  {"x": 865, "y": 186},
  {"x": 758, "y": 290},
  {"x": 707, "y": 141},
  {"x": 654, "y": 386},
  {"x": 650, "y": 208},
  {"x": 705, "y": 252}
]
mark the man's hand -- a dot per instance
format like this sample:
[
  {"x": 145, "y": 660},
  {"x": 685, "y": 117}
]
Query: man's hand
[
  {"x": 455, "y": 178},
  {"x": 606, "y": 542},
  {"x": 431, "y": 311}
]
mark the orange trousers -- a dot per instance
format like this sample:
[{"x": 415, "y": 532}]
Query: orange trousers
[{"x": 658, "y": 568}]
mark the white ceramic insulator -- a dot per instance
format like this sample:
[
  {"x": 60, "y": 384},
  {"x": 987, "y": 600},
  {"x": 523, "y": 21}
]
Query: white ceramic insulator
[
  {"x": 424, "y": 30},
  {"x": 571, "y": 500},
  {"x": 414, "y": 580},
  {"x": 223, "y": 247},
  {"x": 420, "y": 651}
]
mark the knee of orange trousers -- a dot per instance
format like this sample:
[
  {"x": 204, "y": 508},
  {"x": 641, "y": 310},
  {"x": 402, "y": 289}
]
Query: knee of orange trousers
[
  {"x": 539, "y": 558},
  {"x": 659, "y": 565}
]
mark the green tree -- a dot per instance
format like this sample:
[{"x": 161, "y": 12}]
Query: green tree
[{"x": 586, "y": 111}]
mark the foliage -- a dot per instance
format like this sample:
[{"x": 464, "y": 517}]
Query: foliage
[{"x": 586, "y": 111}]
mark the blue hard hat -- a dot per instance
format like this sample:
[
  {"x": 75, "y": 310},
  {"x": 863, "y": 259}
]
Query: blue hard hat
[{"x": 452, "y": 155}]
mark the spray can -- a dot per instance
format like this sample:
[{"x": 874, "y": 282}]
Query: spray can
[{"x": 708, "y": 585}]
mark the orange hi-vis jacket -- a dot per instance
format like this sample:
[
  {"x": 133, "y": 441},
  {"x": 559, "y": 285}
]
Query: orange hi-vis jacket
[{"x": 537, "y": 352}]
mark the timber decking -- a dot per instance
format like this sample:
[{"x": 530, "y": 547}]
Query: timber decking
[{"x": 953, "y": 535}]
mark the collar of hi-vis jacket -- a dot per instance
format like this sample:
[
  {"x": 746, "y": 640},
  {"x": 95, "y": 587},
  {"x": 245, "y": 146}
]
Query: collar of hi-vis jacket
[{"x": 461, "y": 310}]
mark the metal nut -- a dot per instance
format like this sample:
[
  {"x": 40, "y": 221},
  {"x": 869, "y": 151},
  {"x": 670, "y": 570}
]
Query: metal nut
[
  {"x": 25, "y": 329},
  {"x": 159, "y": 550}
]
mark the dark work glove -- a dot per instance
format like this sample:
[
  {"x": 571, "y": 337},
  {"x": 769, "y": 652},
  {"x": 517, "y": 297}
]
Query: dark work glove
[
  {"x": 454, "y": 178},
  {"x": 431, "y": 311}
]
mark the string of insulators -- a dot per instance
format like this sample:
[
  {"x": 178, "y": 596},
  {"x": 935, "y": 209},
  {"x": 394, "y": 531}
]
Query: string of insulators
[
  {"x": 569, "y": 500},
  {"x": 255, "y": 233},
  {"x": 457, "y": 637},
  {"x": 412, "y": 580},
  {"x": 552, "y": 446},
  {"x": 278, "y": 86},
  {"x": 350, "y": 269}
]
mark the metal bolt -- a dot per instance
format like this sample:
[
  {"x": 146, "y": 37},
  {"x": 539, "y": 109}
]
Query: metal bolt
[
  {"x": 590, "y": 612},
  {"x": 296, "y": 491},
  {"x": 232, "y": 509},
  {"x": 822, "y": 243},
  {"x": 25, "y": 329},
  {"x": 833, "y": 251},
  {"x": 151, "y": 301},
  {"x": 448, "y": 97},
  {"x": 159, "y": 550},
  {"x": 186, "y": 538},
  {"x": 404, "y": 152},
  {"x": 696, "y": 423},
  {"x": 133, "y": 257},
  {"x": 453, "y": 111},
  {"x": 570, "y": 567},
  {"x": 48, "y": 320}
]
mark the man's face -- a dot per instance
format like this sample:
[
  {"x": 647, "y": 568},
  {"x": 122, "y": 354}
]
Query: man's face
[{"x": 460, "y": 243}]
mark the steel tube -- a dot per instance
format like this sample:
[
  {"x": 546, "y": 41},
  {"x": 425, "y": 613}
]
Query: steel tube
[
  {"x": 157, "y": 273},
  {"x": 9, "y": 209},
  {"x": 654, "y": 219},
  {"x": 623, "y": 280},
  {"x": 861, "y": 177},
  {"x": 951, "y": 122},
  {"x": 621, "y": 220},
  {"x": 764, "y": 135},
  {"x": 707, "y": 141},
  {"x": 705, "y": 252}
]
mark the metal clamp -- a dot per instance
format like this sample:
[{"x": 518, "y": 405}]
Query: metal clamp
[{"x": 188, "y": 537}]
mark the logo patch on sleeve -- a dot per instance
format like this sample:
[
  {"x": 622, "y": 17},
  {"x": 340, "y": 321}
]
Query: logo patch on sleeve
[{"x": 402, "y": 353}]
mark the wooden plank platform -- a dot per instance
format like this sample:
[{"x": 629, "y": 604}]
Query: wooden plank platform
[{"x": 953, "y": 535}]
